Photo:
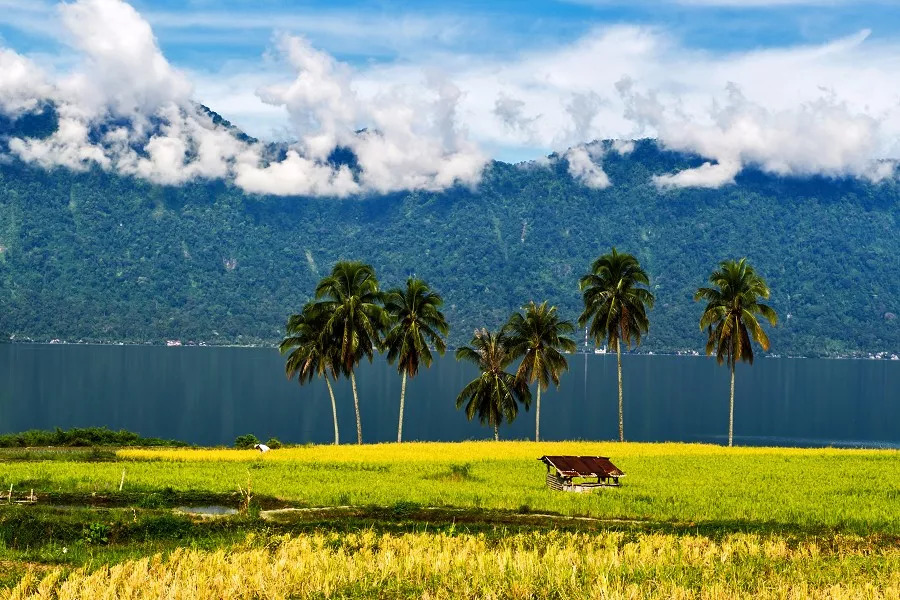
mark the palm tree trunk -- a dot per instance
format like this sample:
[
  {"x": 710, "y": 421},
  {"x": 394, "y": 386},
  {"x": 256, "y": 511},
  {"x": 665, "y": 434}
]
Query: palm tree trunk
[
  {"x": 337, "y": 439},
  {"x": 537, "y": 416},
  {"x": 402, "y": 399},
  {"x": 496, "y": 433},
  {"x": 356, "y": 406},
  {"x": 731, "y": 410},
  {"x": 621, "y": 419}
]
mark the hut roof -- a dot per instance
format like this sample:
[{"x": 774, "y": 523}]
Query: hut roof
[{"x": 583, "y": 466}]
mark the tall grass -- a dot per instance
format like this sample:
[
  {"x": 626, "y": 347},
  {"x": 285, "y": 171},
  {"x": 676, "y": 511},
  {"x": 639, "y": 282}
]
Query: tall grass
[{"x": 606, "y": 565}]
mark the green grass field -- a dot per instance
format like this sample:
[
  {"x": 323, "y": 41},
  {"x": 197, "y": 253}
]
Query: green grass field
[
  {"x": 782, "y": 522},
  {"x": 844, "y": 490}
]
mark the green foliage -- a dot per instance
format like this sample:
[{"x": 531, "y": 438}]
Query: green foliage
[
  {"x": 404, "y": 508},
  {"x": 100, "y": 258},
  {"x": 246, "y": 441},
  {"x": 494, "y": 396},
  {"x": 273, "y": 443},
  {"x": 730, "y": 316},
  {"x": 351, "y": 302},
  {"x": 616, "y": 300},
  {"x": 416, "y": 321},
  {"x": 78, "y": 437},
  {"x": 537, "y": 337},
  {"x": 95, "y": 534}
]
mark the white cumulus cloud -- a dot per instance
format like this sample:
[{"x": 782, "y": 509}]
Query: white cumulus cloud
[
  {"x": 401, "y": 137},
  {"x": 421, "y": 122}
]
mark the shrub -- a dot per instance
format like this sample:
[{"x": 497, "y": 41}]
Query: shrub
[
  {"x": 80, "y": 437},
  {"x": 245, "y": 442},
  {"x": 96, "y": 533},
  {"x": 274, "y": 443}
]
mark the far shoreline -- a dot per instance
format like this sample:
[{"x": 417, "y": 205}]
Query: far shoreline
[{"x": 879, "y": 356}]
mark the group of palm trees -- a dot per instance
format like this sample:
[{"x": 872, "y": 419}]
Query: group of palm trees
[{"x": 350, "y": 319}]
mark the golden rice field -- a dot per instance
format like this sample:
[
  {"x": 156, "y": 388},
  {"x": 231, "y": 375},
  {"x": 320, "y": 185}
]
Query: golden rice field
[
  {"x": 554, "y": 565},
  {"x": 761, "y": 488},
  {"x": 478, "y": 450}
]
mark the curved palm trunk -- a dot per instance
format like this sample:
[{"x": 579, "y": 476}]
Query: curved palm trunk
[
  {"x": 537, "y": 416},
  {"x": 337, "y": 439},
  {"x": 731, "y": 410},
  {"x": 402, "y": 399},
  {"x": 621, "y": 419},
  {"x": 356, "y": 406},
  {"x": 496, "y": 433}
]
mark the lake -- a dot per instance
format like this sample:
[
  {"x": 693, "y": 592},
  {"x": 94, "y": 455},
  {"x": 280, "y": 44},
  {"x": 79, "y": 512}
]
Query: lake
[{"x": 208, "y": 396}]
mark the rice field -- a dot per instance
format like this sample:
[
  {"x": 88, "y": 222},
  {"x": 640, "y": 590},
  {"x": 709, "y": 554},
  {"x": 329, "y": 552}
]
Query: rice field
[
  {"x": 367, "y": 564},
  {"x": 736, "y": 489}
]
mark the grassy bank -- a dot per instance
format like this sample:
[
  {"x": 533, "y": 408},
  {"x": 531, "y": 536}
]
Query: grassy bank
[{"x": 740, "y": 489}]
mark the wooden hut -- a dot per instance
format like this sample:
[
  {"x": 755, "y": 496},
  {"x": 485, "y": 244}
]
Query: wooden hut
[{"x": 591, "y": 472}]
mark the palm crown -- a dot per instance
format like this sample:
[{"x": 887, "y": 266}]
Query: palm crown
[
  {"x": 350, "y": 298},
  {"x": 310, "y": 352},
  {"x": 417, "y": 321},
  {"x": 615, "y": 304},
  {"x": 538, "y": 336},
  {"x": 495, "y": 395},
  {"x": 732, "y": 306}
]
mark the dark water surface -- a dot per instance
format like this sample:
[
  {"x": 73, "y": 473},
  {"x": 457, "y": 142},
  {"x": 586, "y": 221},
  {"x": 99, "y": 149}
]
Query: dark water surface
[{"x": 210, "y": 395}]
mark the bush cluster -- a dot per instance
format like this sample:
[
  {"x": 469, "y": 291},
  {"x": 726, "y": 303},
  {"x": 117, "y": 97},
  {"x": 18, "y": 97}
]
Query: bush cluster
[{"x": 78, "y": 437}]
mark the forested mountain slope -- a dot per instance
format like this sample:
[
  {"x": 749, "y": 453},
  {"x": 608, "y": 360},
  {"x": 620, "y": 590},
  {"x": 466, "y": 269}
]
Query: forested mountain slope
[{"x": 98, "y": 257}]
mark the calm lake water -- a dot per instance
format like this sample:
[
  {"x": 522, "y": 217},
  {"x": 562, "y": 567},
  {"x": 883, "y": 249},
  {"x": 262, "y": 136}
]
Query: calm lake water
[{"x": 209, "y": 396}]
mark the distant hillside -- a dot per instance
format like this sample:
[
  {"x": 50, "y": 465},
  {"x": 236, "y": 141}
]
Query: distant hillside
[{"x": 98, "y": 257}]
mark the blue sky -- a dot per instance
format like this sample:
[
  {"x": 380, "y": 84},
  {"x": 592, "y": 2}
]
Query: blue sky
[
  {"x": 206, "y": 33},
  {"x": 790, "y": 86}
]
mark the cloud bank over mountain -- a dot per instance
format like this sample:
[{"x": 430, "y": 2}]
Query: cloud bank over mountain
[{"x": 829, "y": 110}]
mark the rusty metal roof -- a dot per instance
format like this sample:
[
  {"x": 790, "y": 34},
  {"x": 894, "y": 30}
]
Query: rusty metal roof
[{"x": 583, "y": 466}]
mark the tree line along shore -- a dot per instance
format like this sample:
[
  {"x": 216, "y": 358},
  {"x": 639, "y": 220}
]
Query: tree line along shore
[{"x": 351, "y": 318}]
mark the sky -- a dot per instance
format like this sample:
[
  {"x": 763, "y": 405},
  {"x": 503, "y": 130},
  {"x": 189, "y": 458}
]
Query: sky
[{"x": 426, "y": 93}]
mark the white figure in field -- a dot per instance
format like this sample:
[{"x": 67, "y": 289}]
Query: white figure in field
[{"x": 262, "y": 447}]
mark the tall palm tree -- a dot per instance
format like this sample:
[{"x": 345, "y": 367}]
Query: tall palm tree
[
  {"x": 311, "y": 353},
  {"x": 494, "y": 395},
  {"x": 730, "y": 317},
  {"x": 616, "y": 306},
  {"x": 538, "y": 336},
  {"x": 352, "y": 301},
  {"x": 416, "y": 321}
]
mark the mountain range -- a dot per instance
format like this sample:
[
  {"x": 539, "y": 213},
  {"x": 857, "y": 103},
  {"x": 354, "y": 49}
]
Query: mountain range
[{"x": 93, "y": 256}]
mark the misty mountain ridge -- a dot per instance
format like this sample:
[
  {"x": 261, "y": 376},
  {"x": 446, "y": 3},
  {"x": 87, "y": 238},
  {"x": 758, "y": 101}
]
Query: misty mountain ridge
[{"x": 96, "y": 256}]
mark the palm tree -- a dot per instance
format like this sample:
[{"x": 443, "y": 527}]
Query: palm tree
[
  {"x": 416, "y": 321},
  {"x": 616, "y": 306},
  {"x": 311, "y": 353},
  {"x": 494, "y": 395},
  {"x": 538, "y": 336},
  {"x": 355, "y": 318},
  {"x": 730, "y": 317}
]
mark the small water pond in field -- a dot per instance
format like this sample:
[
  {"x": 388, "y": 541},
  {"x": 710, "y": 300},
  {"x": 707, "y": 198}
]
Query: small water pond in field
[{"x": 207, "y": 511}]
